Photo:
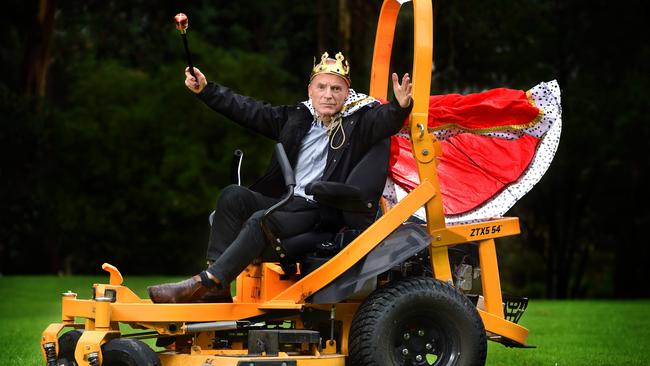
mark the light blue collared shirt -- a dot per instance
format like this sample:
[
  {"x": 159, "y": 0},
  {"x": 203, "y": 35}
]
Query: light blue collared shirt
[{"x": 312, "y": 157}]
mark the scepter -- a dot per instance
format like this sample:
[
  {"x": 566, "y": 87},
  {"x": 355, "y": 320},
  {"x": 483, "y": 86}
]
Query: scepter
[{"x": 181, "y": 24}]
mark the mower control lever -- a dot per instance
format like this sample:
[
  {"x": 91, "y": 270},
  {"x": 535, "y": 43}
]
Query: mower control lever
[
  {"x": 289, "y": 181},
  {"x": 285, "y": 166}
]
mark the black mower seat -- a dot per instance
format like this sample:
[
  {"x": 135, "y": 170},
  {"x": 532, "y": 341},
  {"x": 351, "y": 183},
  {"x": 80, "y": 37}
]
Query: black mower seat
[{"x": 346, "y": 210}]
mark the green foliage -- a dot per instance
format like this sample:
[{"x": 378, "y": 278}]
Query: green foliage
[{"x": 130, "y": 162}]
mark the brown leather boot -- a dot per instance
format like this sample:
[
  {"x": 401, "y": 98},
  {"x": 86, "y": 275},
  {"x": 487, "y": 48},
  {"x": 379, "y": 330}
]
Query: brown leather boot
[
  {"x": 189, "y": 290},
  {"x": 215, "y": 295}
]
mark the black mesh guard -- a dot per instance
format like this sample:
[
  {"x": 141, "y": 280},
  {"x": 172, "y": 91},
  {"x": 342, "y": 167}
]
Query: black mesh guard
[{"x": 514, "y": 307}]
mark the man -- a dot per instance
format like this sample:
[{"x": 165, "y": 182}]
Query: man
[{"x": 323, "y": 137}]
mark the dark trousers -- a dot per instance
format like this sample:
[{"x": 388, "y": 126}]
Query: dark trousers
[{"x": 236, "y": 237}]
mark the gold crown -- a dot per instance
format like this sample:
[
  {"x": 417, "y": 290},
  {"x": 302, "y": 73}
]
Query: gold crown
[{"x": 332, "y": 66}]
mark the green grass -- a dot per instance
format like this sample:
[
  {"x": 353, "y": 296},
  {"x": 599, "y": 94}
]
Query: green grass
[
  {"x": 581, "y": 333},
  {"x": 565, "y": 332},
  {"x": 30, "y": 303}
]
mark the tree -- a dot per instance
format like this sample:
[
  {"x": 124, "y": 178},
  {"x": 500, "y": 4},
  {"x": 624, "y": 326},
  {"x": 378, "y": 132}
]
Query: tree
[{"x": 37, "y": 60}]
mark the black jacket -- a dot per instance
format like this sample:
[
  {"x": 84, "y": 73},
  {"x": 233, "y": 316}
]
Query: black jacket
[{"x": 290, "y": 124}]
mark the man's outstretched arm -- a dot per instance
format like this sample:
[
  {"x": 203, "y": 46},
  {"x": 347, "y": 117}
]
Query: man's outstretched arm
[{"x": 246, "y": 111}]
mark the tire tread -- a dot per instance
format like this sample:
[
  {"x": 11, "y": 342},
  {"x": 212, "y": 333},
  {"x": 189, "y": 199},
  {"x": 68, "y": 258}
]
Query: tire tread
[{"x": 364, "y": 324}]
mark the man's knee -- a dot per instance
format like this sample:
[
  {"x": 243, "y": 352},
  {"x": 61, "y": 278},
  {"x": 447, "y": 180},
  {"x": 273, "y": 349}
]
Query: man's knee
[
  {"x": 251, "y": 232},
  {"x": 253, "y": 224},
  {"x": 256, "y": 217},
  {"x": 233, "y": 197}
]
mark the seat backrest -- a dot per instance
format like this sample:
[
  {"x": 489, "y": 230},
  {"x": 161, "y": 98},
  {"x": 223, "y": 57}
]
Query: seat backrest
[{"x": 369, "y": 175}]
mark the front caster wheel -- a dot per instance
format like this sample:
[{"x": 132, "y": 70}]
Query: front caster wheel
[
  {"x": 417, "y": 321},
  {"x": 67, "y": 344},
  {"x": 128, "y": 352}
]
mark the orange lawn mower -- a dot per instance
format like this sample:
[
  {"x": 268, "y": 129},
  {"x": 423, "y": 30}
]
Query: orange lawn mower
[{"x": 388, "y": 297}]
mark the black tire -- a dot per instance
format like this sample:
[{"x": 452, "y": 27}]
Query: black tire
[
  {"x": 423, "y": 316},
  {"x": 67, "y": 344},
  {"x": 128, "y": 352}
]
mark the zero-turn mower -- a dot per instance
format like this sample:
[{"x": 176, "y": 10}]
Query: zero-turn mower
[{"x": 388, "y": 297}]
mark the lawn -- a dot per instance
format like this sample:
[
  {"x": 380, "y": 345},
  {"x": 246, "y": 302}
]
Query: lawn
[{"x": 565, "y": 332}]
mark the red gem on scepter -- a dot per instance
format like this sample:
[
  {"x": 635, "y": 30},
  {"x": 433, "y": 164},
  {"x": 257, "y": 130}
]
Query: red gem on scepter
[{"x": 181, "y": 22}]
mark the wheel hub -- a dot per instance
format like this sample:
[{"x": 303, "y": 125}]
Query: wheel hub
[{"x": 418, "y": 347}]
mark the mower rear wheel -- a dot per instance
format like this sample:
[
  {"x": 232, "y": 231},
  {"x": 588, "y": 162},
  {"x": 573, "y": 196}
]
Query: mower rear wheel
[
  {"x": 417, "y": 321},
  {"x": 128, "y": 352},
  {"x": 67, "y": 344}
]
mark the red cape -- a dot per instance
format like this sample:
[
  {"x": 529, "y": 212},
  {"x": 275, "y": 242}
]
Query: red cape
[{"x": 475, "y": 164}]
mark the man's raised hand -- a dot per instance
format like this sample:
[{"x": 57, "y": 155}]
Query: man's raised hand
[
  {"x": 195, "y": 84},
  {"x": 402, "y": 92}
]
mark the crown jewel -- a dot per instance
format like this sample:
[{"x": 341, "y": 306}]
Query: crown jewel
[{"x": 337, "y": 66}]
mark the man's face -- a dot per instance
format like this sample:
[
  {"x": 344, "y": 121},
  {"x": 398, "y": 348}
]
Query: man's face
[{"x": 328, "y": 93}]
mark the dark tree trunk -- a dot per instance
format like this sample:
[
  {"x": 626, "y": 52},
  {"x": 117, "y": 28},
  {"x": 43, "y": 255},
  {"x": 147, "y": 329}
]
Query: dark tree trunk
[
  {"x": 364, "y": 15},
  {"x": 322, "y": 26},
  {"x": 345, "y": 28},
  {"x": 37, "y": 58}
]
